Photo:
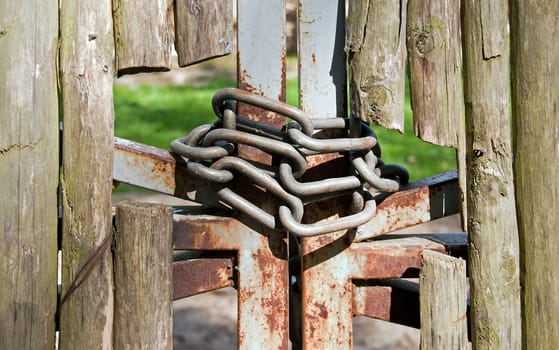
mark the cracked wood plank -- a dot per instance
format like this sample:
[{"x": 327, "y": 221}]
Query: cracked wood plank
[
  {"x": 86, "y": 83},
  {"x": 376, "y": 50},
  {"x": 203, "y": 30},
  {"x": 443, "y": 302},
  {"x": 492, "y": 228},
  {"x": 29, "y": 173},
  {"x": 143, "y": 32},
  {"x": 435, "y": 56}
]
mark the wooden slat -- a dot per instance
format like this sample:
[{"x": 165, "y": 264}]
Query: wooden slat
[
  {"x": 143, "y": 276},
  {"x": 443, "y": 302},
  {"x": 203, "y": 30},
  {"x": 28, "y": 172},
  {"x": 86, "y": 81},
  {"x": 434, "y": 49},
  {"x": 322, "y": 73},
  {"x": 492, "y": 228},
  {"x": 143, "y": 35},
  {"x": 376, "y": 50},
  {"x": 535, "y": 83}
]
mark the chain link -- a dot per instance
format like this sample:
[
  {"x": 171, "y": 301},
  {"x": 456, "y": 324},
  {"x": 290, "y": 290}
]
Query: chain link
[{"x": 209, "y": 154}]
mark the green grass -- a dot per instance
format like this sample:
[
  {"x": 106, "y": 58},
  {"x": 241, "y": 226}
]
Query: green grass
[{"x": 156, "y": 115}]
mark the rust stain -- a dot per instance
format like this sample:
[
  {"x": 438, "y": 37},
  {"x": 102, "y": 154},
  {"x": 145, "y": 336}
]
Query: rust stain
[
  {"x": 322, "y": 310},
  {"x": 191, "y": 277}
]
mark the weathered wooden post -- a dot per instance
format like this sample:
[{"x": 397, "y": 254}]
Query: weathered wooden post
[
  {"x": 143, "y": 276},
  {"x": 86, "y": 82},
  {"x": 376, "y": 53},
  {"x": 443, "y": 289},
  {"x": 492, "y": 229},
  {"x": 29, "y": 173},
  {"x": 535, "y": 86},
  {"x": 143, "y": 35},
  {"x": 435, "y": 70}
]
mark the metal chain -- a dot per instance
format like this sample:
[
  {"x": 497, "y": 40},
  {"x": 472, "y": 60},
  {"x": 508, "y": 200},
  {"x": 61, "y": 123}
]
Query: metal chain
[{"x": 209, "y": 154}]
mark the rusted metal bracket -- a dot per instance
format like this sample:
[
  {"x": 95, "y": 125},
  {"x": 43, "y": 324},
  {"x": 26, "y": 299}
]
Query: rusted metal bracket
[
  {"x": 258, "y": 257},
  {"x": 260, "y": 272}
]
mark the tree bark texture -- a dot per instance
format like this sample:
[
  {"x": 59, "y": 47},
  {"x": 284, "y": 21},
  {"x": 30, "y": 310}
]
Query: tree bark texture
[
  {"x": 86, "y": 82},
  {"x": 28, "y": 173},
  {"x": 143, "y": 277},
  {"x": 492, "y": 228},
  {"x": 443, "y": 296},
  {"x": 376, "y": 50},
  {"x": 143, "y": 35},
  {"x": 535, "y": 86},
  {"x": 204, "y": 30}
]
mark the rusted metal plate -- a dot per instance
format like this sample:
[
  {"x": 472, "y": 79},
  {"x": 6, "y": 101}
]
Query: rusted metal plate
[
  {"x": 261, "y": 270},
  {"x": 196, "y": 276},
  {"x": 388, "y": 258},
  {"x": 326, "y": 291},
  {"x": 145, "y": 166},
  {"x": 261, "y": 47},
  {"x": 322, "y": 67},
  {"x": 158, "y": 170},
  {"x": 261, "y": 62},
  {"x": 387, "y": 303},
  {"x": 262, "y": 258},
  {"x": 419, "y": 202}
]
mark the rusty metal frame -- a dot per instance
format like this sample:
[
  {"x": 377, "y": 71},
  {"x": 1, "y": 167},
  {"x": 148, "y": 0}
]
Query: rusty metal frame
[
  {"x": 342, "y": 274},
  {"x": 252, "y": 257}
]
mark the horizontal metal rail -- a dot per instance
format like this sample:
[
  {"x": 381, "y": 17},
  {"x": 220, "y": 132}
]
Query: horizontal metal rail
[{"x": 158, "y": 170}]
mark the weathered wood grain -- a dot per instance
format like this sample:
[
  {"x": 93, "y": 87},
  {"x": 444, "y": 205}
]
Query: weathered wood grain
[
  {"x": 443, "y": 289},
  {"x": 143, "y": 35},
  {"x": 203, "y": 30},
  {"x": 143, "y": 276},
  {"x": 492, "y": 228},
  {"x": 435, "y": 56},
  {"x": 28, "y": 173},
  {"x": 535, "y": 86},
  {"x": 86, "y": 82},
  {"x": 376, "y": 50}
]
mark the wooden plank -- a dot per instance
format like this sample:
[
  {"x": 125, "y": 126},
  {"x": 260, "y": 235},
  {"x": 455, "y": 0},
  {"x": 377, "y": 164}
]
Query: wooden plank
[
  {"x": 143, "y": 276},
  {"x": 143, "y": 35},
  {"x": 376, "y": 50},
  {"x": 435, "y": 56},
  {"x": 29, "y": 172},
  {"x": 322, "y": 71},
  {"x": 442, "y": 299},
  {"x": 86, "y": 82},
  {"x": 535, "y": 82},
  {"x": 203, "y": 30},
  {"x": 492, "y": 228}
]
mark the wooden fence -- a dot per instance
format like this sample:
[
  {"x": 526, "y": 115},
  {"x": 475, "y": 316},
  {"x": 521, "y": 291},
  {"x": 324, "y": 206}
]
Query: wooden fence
[{"x": 470, "y": 64}]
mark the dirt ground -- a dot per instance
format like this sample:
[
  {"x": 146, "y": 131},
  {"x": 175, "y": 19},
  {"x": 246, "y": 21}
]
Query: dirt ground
[{"x": 208, "y": 321}]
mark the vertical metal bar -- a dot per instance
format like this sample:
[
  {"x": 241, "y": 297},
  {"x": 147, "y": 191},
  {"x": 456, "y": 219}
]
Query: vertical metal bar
[
  {"x": 327, "y": 289},
  {"x": 262, "y": 260},
  {"x": 322, "y": 73}
]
